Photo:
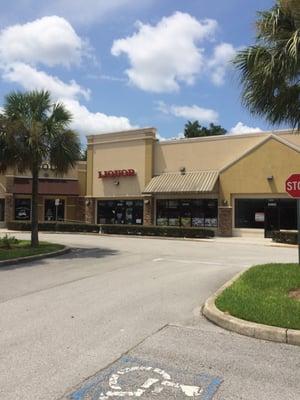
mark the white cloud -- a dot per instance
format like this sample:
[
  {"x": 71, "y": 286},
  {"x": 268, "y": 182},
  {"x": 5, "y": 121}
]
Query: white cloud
[
  {"x": 31, "y": 79},
  {"x": 194, "y": 112},
  {"x": 241, "y": 128},
  {"x": 220, "y": 62},
  {"x": 84, "y": 121},
  {"x": 50, "y": 41},
  {"x": 87, "y": 122},
  {"x": 164, "y": 55}
]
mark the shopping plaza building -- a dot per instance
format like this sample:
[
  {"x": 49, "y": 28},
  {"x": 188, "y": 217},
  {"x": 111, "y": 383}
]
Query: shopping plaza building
[
  {"x": 60, "y": 197},
  {"x": 232, "y": 184}
]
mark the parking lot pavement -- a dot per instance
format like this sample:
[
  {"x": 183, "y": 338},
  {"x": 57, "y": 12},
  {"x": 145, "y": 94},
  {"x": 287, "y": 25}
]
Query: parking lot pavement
[
  {"x": 204, "y": 363},
  {"x": 63, "y": 320}
]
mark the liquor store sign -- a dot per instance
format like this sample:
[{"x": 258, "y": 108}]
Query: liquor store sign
[{"x": 117, "y": 173}]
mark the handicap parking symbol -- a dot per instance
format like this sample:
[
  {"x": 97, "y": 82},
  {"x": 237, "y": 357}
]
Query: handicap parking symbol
[{"x": 131, "y": 378}]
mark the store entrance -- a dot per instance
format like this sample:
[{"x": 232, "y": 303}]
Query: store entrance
[
  {"x": 272, "y": 218},
  {"x": 267, "y": 214}
]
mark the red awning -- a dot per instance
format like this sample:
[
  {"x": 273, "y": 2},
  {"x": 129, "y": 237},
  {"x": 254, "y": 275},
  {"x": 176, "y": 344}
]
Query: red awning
[{"x": 47, "y": 186}]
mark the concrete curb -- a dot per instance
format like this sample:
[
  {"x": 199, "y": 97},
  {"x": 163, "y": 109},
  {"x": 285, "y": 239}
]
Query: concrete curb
[
  {"x": 157, "y": 237},
  {"x": 246, "y": 328},
  {"x": 22, "y": 260}
]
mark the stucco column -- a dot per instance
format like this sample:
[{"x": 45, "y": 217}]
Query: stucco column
[
  {"x": 225, "y": 221},
  {"x": 9, "y": 207},
  {"x": 148, "y": 211},
  {"x": 90, "y": 211}
]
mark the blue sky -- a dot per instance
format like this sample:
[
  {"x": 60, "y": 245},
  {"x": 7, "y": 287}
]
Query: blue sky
[{"x": 121, "y": 64}]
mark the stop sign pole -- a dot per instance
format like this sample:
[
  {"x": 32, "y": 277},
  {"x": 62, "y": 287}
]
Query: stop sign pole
[{"x": 292, "y": 187}]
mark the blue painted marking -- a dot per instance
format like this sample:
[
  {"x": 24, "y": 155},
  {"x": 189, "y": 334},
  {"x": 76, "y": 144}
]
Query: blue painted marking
[{"x": 96, "y": 386}]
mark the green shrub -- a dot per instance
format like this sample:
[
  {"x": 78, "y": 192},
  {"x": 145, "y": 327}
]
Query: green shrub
[
  {"x": 54, "y": 227},
  {"x": 166, "y": 231},
  {"x": 7, "y": 242},
  {"x": 289, "y": 237}
]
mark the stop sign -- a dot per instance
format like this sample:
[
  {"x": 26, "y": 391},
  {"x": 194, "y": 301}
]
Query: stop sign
[{"x": 292, "y": 186}]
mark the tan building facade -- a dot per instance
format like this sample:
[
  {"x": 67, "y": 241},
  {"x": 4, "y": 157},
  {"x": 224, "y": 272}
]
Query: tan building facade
[
  {"x": 230, "y": 183},
  {"x": 61, "y": 198}
]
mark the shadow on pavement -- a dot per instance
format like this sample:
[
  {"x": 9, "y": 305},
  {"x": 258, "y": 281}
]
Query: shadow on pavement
[
  {"x": 75, "y": 253},
  {"x": 97, "y": 252}
]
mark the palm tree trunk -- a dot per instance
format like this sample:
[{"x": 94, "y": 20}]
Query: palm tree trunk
[{"x": 34, "y": 207}]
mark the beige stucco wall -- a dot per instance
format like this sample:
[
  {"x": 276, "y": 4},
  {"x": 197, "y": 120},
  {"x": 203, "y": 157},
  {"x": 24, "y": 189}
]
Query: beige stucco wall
[
  {"x": 126, "y": 150},
  {"x": 249, "y": 175},
  {"x": 291, "y": 136},
  {"x": 81, "y": 176},
  {"x": 148, "y": 157},
  {"x": 211, "y": 153}
]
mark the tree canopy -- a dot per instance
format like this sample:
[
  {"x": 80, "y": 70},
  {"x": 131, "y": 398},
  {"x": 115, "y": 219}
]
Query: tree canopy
[
  {"x": 35, "y": 130},
  {"x": 194, "y": 129},
  {"x": 270, "y": 69}
]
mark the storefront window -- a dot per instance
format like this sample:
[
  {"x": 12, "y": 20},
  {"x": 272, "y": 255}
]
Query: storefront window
[
  {"x": 186, "y": 213},
  {"x": 198, "y": 213},
  {"x": 53, "y": 212},
  {"x": 211, "y": 213},
  {"x": 270, "y": 214},
  {"x": 162, "y": 213},
  {"x": 128, "y": 212},
  {"x": 22, "y": 209},
  {"x": 250, "y": 213},
  {"x": 2, "y": 209}
]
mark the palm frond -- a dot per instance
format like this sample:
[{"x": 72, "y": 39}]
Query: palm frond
[
  {"x": 64, "y": 150},
  {"x": 270, "y": 70}
]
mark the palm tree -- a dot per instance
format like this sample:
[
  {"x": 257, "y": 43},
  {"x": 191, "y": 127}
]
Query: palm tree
[
  {"x": 33, "y": 130},
  {"x": 192, "y": 129},
  {"x": 270, "y": 69}
]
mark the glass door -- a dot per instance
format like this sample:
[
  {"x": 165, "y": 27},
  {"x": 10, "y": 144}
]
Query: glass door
[
  {"x": 2, "y": 210},
  {"x": 272, "y": 221}
]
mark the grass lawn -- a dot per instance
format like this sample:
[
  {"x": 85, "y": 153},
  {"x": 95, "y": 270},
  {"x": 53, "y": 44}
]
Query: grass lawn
[
  {"x": 262, "y": 295},
  {"x": 23, "y": 249}
]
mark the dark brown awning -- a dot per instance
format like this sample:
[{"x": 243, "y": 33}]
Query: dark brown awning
[{"x": 66, "y": 187}]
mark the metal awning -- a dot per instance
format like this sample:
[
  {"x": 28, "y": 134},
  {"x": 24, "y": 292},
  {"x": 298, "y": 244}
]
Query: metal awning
[{"x": 189, "y": 182}]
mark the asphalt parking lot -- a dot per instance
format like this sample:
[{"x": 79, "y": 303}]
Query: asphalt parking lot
[{"x": 120, "y": 317}]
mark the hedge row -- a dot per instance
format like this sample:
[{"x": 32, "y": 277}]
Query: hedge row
[
  {"x": 166, "y": 231},
  {"x": 54, "y": 227},
  {"x": 290, "y": 237},
  {"x": 141, "y": 230}
]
